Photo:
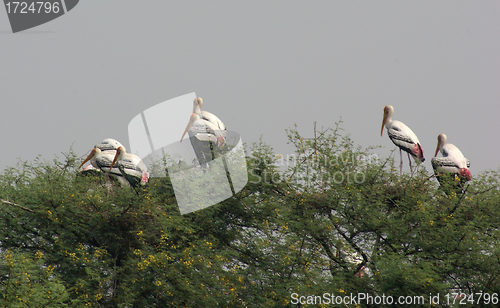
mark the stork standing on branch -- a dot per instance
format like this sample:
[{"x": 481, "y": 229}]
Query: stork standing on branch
[
  {"x": 402, "y": 136},
  {"x": 205, "y": 131}
]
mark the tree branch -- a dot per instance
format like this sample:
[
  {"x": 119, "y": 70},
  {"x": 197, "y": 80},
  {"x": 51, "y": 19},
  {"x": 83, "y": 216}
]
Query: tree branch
[{"x": 15, "y": 204}]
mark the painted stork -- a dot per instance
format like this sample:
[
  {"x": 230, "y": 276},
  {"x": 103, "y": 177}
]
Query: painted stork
[
  {"x": 102, "y": 160},
  {"x": 205, "y": 130},
  {"x": 131, "y": 167},
  {"x": 108, "y": 144},
  {"x": 402, "y": 136},
  {"x": 205, "y": 115},
  {"x": 452, "y": 165}
]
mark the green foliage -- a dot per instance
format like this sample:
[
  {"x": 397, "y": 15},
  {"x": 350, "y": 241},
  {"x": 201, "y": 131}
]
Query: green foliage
[
  {"x": 27, "y": 282},
  {"x": 338, "y": 220}
]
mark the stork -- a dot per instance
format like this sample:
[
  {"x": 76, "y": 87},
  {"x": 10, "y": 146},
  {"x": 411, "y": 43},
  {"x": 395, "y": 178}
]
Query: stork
[
  {"x": 131, "y": 167},
  {"x": 403, "y": 137},
  {"x": 452, "y": 163},
  {"x": 205, "y": 115},
  {"x": 102, "y": 160},
  {"x": 107, "y": 146},
  {"x": 205, "y": 130}
]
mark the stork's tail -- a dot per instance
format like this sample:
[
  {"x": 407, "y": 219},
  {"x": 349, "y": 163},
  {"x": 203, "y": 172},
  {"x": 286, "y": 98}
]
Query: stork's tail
[
  {"x": 418, "y": 153},
  {"x": 464, "y": 172}
]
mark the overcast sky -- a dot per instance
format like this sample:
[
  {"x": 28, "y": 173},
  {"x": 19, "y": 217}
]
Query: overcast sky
[{"x": 259, "y": 66}]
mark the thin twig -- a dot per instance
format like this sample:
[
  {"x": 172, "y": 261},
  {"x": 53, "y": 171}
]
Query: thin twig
[
  {"x": 460, "y": 199},
  {"x": 298, "y": 256}
]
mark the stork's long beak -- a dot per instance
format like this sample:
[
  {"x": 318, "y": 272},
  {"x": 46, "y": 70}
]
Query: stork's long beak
[
  {"x": 438, "y": 147},
  {"x": 191, "y": 120},
  {"x": 118, "y": 151},
  {"x": 383, "y": 124},
  {"x": 88, "y": 157}
]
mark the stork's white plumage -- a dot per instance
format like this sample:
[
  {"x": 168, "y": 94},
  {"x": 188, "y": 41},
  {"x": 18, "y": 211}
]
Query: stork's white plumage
[
  {"x": 453, "y": 161},
  {"x": 102, "y": 160},
  {"x": 402, "y": 136},
  {"x": 131, "y": 167},
  {"x": 107, "y": 147},
  {"x": 205, "y": 115},
  {"x": 204, "y": 130},
  {"x": 108, "y": 144}
]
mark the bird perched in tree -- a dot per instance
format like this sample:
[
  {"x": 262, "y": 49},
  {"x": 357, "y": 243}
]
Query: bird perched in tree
[
  {"x": 453, "y": 168},
  {"x": 402, "y": 136},
  {"x": 206, "y": 132},
  {"x": 131, "y": 167}
]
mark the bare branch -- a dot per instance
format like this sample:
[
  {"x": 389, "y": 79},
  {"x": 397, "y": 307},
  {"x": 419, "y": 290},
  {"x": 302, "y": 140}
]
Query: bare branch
[{"x": 19, "y": 206}]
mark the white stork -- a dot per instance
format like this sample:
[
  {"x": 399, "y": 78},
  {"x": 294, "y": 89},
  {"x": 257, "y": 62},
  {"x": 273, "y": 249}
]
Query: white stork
[
  {"x": 402, "y": 136},
  {"x": 453, "y": 161},
  {"x": 204, "y": 130},
  {"x": 131, "y": 167}
]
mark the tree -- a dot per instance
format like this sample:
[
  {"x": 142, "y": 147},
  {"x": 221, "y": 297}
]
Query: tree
[{"x": 337, "y": 221}]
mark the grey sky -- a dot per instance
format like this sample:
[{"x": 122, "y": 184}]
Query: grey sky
[{"x": 260, "y": 67}]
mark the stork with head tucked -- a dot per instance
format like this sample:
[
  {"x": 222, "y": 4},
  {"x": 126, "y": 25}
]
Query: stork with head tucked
[
  {"x": 102, "y": 161},
  {"x": 131, "y": 167},
  {"x": 402, "y": 136},
  {"x": 453, "y": 164},
  {"x": 205, "y": 115},
  {"x": 107, "y": 147},
  {"x": 205, "y": 131}
]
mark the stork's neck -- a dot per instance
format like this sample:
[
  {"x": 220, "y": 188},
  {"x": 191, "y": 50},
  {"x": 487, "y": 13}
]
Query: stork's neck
[
  {"x": 122, "y": 153},
  {"x": 388, "y": 120},
  {"x": 197, "y": 110}
]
